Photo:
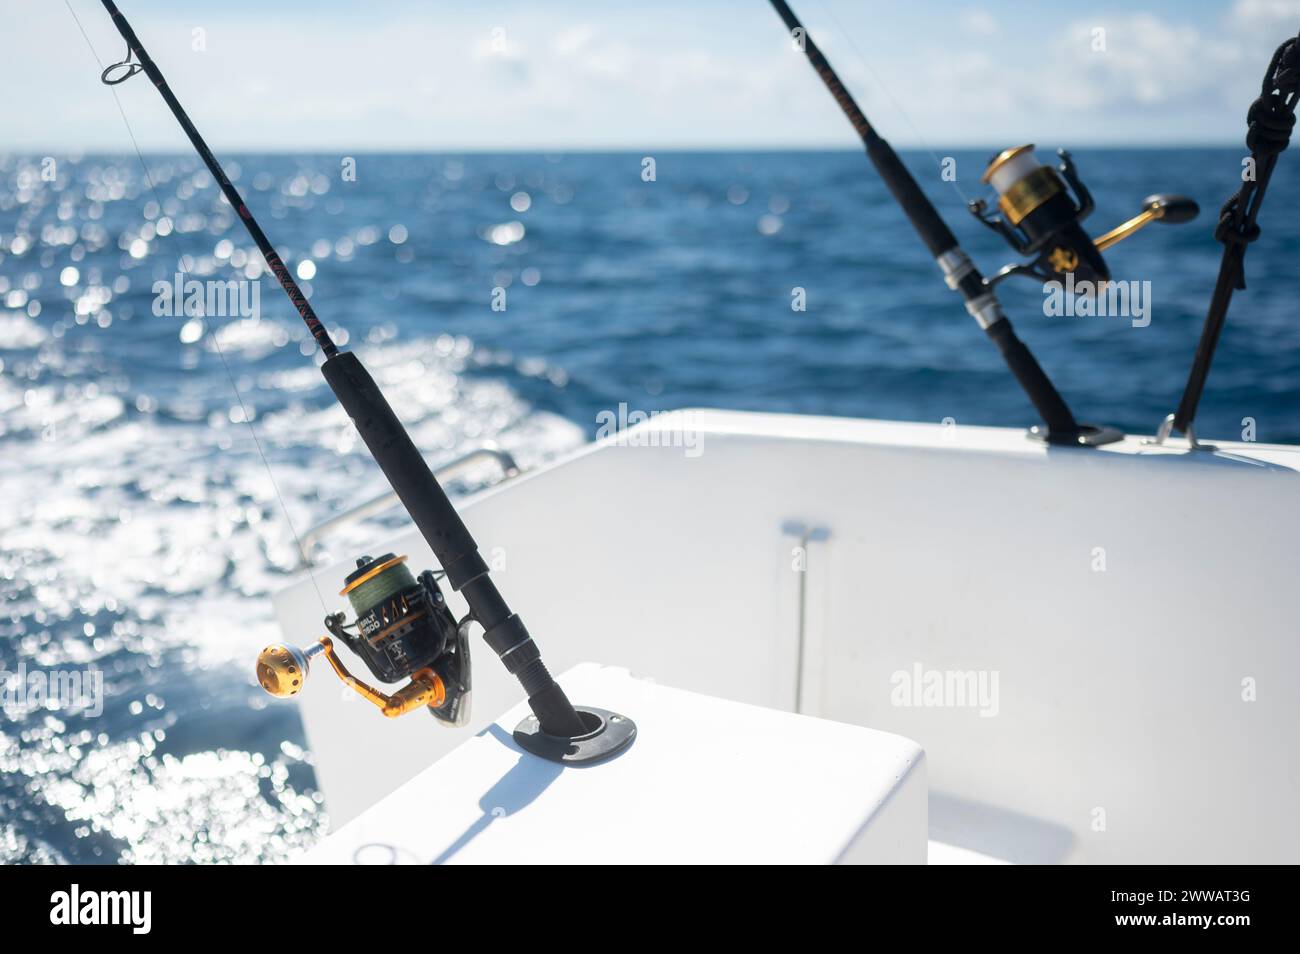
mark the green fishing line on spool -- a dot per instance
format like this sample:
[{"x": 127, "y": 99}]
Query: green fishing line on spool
[{"x": 380, "y": 587}]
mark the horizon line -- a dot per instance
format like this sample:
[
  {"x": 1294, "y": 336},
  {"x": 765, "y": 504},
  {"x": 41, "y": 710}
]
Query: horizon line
[{"x": 597, "y": 150}]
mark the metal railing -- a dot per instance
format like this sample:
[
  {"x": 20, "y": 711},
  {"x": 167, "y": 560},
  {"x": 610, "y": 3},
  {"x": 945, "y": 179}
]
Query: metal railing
[{"x": 448, "y": 471}]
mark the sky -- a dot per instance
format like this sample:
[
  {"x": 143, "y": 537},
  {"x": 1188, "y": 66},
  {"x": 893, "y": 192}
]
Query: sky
[{"x": 367, "y": 75}]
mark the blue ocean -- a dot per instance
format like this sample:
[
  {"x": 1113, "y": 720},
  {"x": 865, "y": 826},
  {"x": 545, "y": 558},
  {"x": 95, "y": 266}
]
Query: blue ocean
[{"x": 155, "y": 465}]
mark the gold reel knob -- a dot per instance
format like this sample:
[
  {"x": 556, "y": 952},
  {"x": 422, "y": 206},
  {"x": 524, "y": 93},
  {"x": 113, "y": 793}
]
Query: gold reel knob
[{"x": 282, "y": 670}]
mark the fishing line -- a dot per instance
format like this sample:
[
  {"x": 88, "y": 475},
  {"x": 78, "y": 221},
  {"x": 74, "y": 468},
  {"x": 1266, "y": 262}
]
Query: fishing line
[
  {"x": 134, "y": 68},
  {"x": 863, "y": 61}
]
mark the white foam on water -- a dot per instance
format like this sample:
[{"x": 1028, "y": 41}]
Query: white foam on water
[
  {"x": 140, "y": 531},
  {"x": 169, "y": 526}
]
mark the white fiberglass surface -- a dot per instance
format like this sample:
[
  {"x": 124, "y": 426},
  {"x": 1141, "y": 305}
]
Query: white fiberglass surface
[{"x": 1087, "y": 658}]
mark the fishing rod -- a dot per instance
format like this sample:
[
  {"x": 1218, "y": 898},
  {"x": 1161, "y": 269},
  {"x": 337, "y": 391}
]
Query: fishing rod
[
  {"x": 403, "y": 627},
  {"x": 1039, "y": 219}
]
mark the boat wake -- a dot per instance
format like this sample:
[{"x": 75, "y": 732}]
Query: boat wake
[{"x": 142, "y": 540}]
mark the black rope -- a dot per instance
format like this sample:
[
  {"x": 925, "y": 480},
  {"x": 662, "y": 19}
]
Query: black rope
[{"x": 1270, "y": 120}]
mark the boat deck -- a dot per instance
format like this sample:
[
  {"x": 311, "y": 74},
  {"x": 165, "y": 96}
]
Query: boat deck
[{"x": 1086, "y": 644}]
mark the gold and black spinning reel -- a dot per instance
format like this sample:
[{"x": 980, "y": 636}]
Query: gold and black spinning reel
[
  {"x": 1040, "y": 218},
  {"x": 403, "y": 629}
]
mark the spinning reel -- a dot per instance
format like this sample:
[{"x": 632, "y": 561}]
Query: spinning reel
[
  {"x": 1040, "y": 218},
  {"x": 403, "y": 629}
]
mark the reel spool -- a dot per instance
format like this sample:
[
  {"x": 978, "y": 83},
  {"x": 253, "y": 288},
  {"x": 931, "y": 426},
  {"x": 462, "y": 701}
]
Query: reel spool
[
  {"x": 1040, "y": 217},
  {"x": 403, "y": 630}
]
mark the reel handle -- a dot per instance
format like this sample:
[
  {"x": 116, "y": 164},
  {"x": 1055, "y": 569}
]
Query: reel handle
[
  {"x": 1172, "y": 209},
  {"x": 1162, "y": 207},
  {"x": 282, "y": 672}
]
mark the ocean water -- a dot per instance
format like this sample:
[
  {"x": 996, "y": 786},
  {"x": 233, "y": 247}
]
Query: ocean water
[{"x": 145, "y": 523}]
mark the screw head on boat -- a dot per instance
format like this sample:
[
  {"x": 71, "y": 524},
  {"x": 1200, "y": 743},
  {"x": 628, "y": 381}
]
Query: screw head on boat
[{"x": 281, "y": 670}]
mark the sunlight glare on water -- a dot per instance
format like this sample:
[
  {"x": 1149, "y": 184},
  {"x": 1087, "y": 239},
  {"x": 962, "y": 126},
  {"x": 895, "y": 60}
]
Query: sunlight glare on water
[{"x": 141, "y": 535}]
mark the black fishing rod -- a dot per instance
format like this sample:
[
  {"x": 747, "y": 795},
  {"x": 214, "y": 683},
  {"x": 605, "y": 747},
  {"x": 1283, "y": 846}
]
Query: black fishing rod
[
  {"x": 959, "y": 272},
  {"x": 403, "y": 627}
]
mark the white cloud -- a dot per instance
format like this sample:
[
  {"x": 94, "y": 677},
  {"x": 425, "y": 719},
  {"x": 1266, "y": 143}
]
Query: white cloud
[
  {"x": 574, "y": 40},
  {"x": 980, "y": 23},
  {"x": 594, "y": 75},
  {"x": 1249, "y": 12}
]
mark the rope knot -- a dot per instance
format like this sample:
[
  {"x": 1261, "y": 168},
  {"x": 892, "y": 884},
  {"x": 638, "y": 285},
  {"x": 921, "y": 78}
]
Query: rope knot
[
  {"x": 1232, "y": 228},
  {"x": 1270, "y": 123}
]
